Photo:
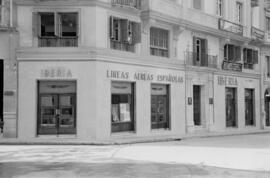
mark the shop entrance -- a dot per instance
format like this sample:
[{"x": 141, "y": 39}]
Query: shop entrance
[
  {"x": 266, "y": 107},
  {"x": 57, "y": 108},
  {"x": 231, "y": 107},
  {"x": 197, "y": 105}
]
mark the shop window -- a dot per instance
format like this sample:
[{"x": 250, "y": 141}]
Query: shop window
[
  {"x": 250, "y": 58},
  {"x": 232, "y": 53},
  {"x": 231, "y": 110},
  {"x": 239, "y": 12},
  {"x": 219, "y": 7},
  {"x": 160, "y": 106},
  {"x": 56, "y": 29},
  {"x": 122, "y": 107},
  {"x": 197, "y": 4},
  {"x": 249, "y": 107},
  {"x": 159, "y": 42},
  {"x": 124, "y": 34}
]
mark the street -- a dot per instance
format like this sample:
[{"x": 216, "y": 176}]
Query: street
[{"x": 228, "y": 156}]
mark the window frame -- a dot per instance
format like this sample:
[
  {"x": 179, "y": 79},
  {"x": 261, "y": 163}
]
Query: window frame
[
  {"x": 267, "y": 19},
  {"x": 239, "y": 12},
  {"x": 220, "y": 7},
  {"x": 36, "y": 27},
  {"x": 201, "y": 4},
  {"x": 159, "y": 35}
]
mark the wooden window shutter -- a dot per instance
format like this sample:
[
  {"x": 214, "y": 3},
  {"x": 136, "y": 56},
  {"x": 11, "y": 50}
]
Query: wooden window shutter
[
  {"x": 136, "y": 32},
  {"x": 245, "y": 55},
  {"x": 255, "y": 57},
  {"x": 36, "y": 24},
  {"x": 237, "y": 53},
  {"x": 124, "y": 30},
  {"x": 111, "y": 26}
]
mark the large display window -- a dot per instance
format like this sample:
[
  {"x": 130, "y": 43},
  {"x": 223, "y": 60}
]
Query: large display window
[
  {"x": 160, "y": 106},
  {"x": 122, "y": 106}
]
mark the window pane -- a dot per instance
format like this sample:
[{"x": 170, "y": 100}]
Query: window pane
[
  {"x": 69, "y": 24},
  {"x": 47, "y": 24}
]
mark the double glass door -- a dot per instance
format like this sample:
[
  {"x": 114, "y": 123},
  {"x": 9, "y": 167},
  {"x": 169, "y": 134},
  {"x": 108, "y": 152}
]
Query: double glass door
[
  {"x": 57, "y": 114},
  {"x": 231, "y": 107},
  {"x": 56, "y": 107}
]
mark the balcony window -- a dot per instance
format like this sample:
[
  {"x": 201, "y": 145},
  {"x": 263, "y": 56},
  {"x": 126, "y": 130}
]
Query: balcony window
[
  {"x": 127, "y": 3},
  {"x": 232, "y": 56},
  {"x": 250, "y": 58},
  {"x": 159, "y": 42},
  {"x": 197, "y": 4},
  {"x": 124, "y": 34},
  {"x": 56, "y": 29},
  {"x": 239, "y": 12},
  {"x": 267, "y": 23},
  {"x": 268, "y": 65},
  {"x": 219, "y": 7}
]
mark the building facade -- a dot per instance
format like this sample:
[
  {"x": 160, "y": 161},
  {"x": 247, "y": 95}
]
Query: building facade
[
  {"x": 109, "y": 69},
  {"x": 8, "y": 69}
]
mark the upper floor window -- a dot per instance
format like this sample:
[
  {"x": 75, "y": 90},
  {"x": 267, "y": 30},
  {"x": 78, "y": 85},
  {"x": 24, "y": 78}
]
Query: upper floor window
[
  {"x": 159, "y": 42},
  {"x": 267, "y": 19},
  {"x": 219, "y": 7},
  {"x": 239, "y": 12},
  {"x": 268, "y": 65},
  {"x": 124, "y": 34},
  {"x": 199, "y": 51},
  {"x": 232, "y": 53},
  {"x": 56, "y": 29},
  {"x": 1, "y": 10},
  {"x": 250, "y": 58},
  {"x": 197, "y": 4}
]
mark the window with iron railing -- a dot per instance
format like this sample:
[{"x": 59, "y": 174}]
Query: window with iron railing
[
  {"x": 232, "y": 58},
  {"x": 250, "y": 58},
  {"x": 159, "y": 42},
  {"x": 127, "y": 3},
  {"x": 56, "y": 29},
  {"x": 124, "y": 34}
]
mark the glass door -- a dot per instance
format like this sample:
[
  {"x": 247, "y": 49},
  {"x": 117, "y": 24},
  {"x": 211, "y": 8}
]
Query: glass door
[
  {"x": 197, "y": 105},
  {"x": 231, "y": 107}
]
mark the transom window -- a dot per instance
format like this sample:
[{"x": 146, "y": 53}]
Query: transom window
[
  {"x": 56, "y": 29},
  {"x": 159, "y": 42}
]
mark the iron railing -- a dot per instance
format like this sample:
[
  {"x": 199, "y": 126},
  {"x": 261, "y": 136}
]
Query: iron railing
[
  {"x": 257, "y": 33},
  {"x": 122, "y": 46},
  {"x": 202, "y": 60},
  {"x": 233, "y": 66},
  {"x": 58, "y": 41},
  {"x": 127, "y": 3},
  {"x": 248, "y": 66},
  {"x": 230, "y": 26}
]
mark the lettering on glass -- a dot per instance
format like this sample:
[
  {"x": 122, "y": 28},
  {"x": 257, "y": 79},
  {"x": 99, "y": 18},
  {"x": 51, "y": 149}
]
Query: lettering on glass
[{"x": 56, "y": 72}]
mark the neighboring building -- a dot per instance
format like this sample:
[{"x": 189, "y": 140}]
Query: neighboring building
[
  {"x": 8, "y": 68},
  {"x": 107, "y": 69}
]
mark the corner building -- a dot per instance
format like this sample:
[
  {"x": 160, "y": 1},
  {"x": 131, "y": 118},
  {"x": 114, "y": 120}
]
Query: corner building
[{"x": 113, "y": 69}]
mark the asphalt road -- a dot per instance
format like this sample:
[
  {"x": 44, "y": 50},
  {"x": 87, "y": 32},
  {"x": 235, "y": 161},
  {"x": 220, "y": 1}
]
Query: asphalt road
[{"x": 207, "y": 157}]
